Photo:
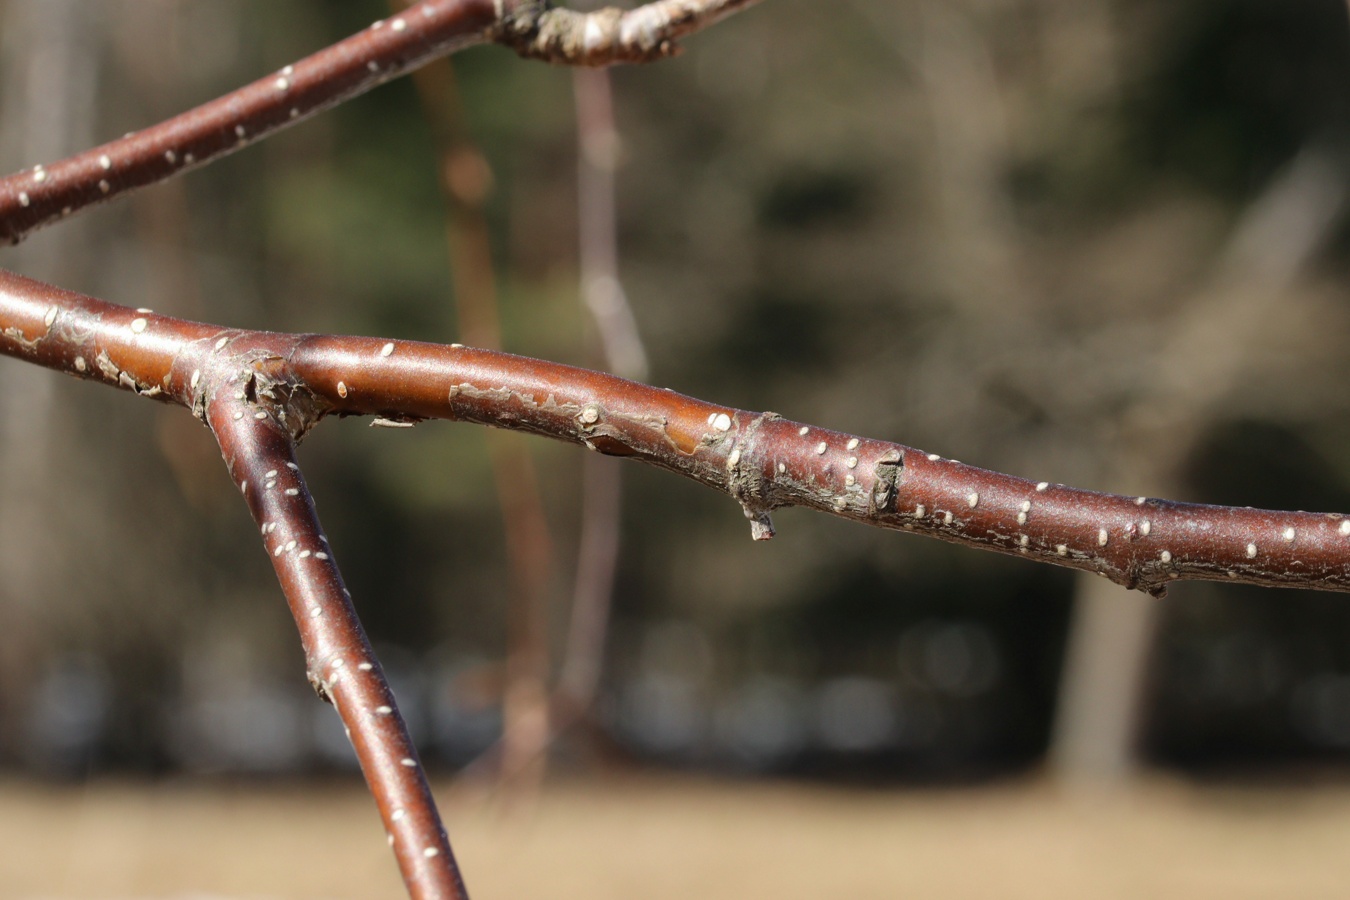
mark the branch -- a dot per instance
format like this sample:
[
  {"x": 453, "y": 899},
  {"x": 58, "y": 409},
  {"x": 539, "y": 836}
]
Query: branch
[
  {"x": 601, "y": 484},
  {"x": 47, "y": 193},
  {"x": 239, "y": 384},
  {"x": 602, "y": 489},
  {"x": 599, "y": 149},
  {"x": 341, "y": 665},
  {"x": 761, "y": 459},
  {"x": 466, "y": 181},
  {"x": 244, "y": 385}
]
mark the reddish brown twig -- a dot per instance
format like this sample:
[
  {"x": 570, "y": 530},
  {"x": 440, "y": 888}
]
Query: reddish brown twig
[
  {"x": 341, "y": 665},
  {"x": 387, "y": 49},
  {"x": 761, "y": 459},
  {"x": 241, "y": 385},
  {"x": 47, "y": 193},
  {"x": 261, "y": 391}
]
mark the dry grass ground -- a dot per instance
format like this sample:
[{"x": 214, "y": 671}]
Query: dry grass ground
[{"x": 667, "y": 837}]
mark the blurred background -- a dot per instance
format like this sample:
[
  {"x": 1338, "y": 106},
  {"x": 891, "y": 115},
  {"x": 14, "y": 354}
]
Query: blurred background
[{"x": 1097, "y": 243}]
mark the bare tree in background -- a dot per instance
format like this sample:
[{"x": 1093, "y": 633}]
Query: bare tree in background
[
  {"x": 49, "y": 109},
  {"x": 1140, "y": 390},
  {"x": 1253, "y": 281}
]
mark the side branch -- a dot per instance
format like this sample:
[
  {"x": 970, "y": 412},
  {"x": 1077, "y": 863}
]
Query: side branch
[
  {"x": 341, "y": 665},
  {"x": 536, "y": 30},
  {"x": 761, "y": 459}
]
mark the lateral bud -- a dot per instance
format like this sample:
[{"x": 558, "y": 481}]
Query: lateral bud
[
  {"x": 887, "y": 485},
  {"x": 761, "y": 526}
]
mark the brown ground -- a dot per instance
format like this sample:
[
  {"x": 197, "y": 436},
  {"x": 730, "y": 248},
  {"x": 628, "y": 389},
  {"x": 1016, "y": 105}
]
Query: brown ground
[{"x": 666, "y": 838}]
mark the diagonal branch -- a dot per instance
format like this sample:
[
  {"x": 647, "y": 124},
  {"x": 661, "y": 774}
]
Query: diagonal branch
[
  {"x": 237, "y": 382},
  {"x": 761, "y": 459},
  {"x": 341, "y": 666},
  {"x": 47, "y": 193}
]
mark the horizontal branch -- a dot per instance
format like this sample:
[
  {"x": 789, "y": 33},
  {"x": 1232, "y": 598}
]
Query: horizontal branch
[
  {"x": 49, "y": 192},
  {"x": 761, "y": 459}
]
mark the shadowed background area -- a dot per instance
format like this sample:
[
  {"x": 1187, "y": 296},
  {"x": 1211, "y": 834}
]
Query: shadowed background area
[{"x": 1092, "y": 243}]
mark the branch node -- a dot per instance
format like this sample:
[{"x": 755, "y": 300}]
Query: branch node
[
  {"x": 887, "y": 486},
  {"x": 535, "y": 29},
  {"x": 746, "y": 481},
  {"x": 320, "y": 686}
]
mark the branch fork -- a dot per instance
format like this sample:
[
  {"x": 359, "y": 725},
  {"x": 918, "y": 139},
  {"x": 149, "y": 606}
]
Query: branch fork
[
  {"x": 256, "y": 440},
  {"x": 252, "y": 389}
]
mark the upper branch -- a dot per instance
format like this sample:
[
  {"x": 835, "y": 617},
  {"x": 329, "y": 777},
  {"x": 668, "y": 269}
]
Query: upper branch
[
  {"x": 46, "y": 193},
  {"x": 761, "y": 459},
  {"x": 49, "y": 192}
]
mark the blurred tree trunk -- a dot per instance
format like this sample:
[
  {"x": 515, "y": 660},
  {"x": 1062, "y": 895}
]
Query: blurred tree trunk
[
  {"x": 48, "y": 91},
  {"x": 1103, "y": 683},
  {"x": 1200, "y": 368},
  {"x": 1101, "y": 692}
]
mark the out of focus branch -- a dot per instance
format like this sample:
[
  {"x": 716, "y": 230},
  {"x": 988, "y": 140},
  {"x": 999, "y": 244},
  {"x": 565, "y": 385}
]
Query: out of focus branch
[
  {"x": 466, "y": 180},
  {"x": 598, "y": 156}
]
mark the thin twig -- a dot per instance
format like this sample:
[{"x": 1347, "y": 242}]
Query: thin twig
[
  {"x": 601, "y": 479},
  {"x": 599, "y": 152},
  {"x": 602, "y": 487},
  {"x": 593, "y": 590},
  {"x": 466, "y": 180},
  {"x": 48, "y": 193}
]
